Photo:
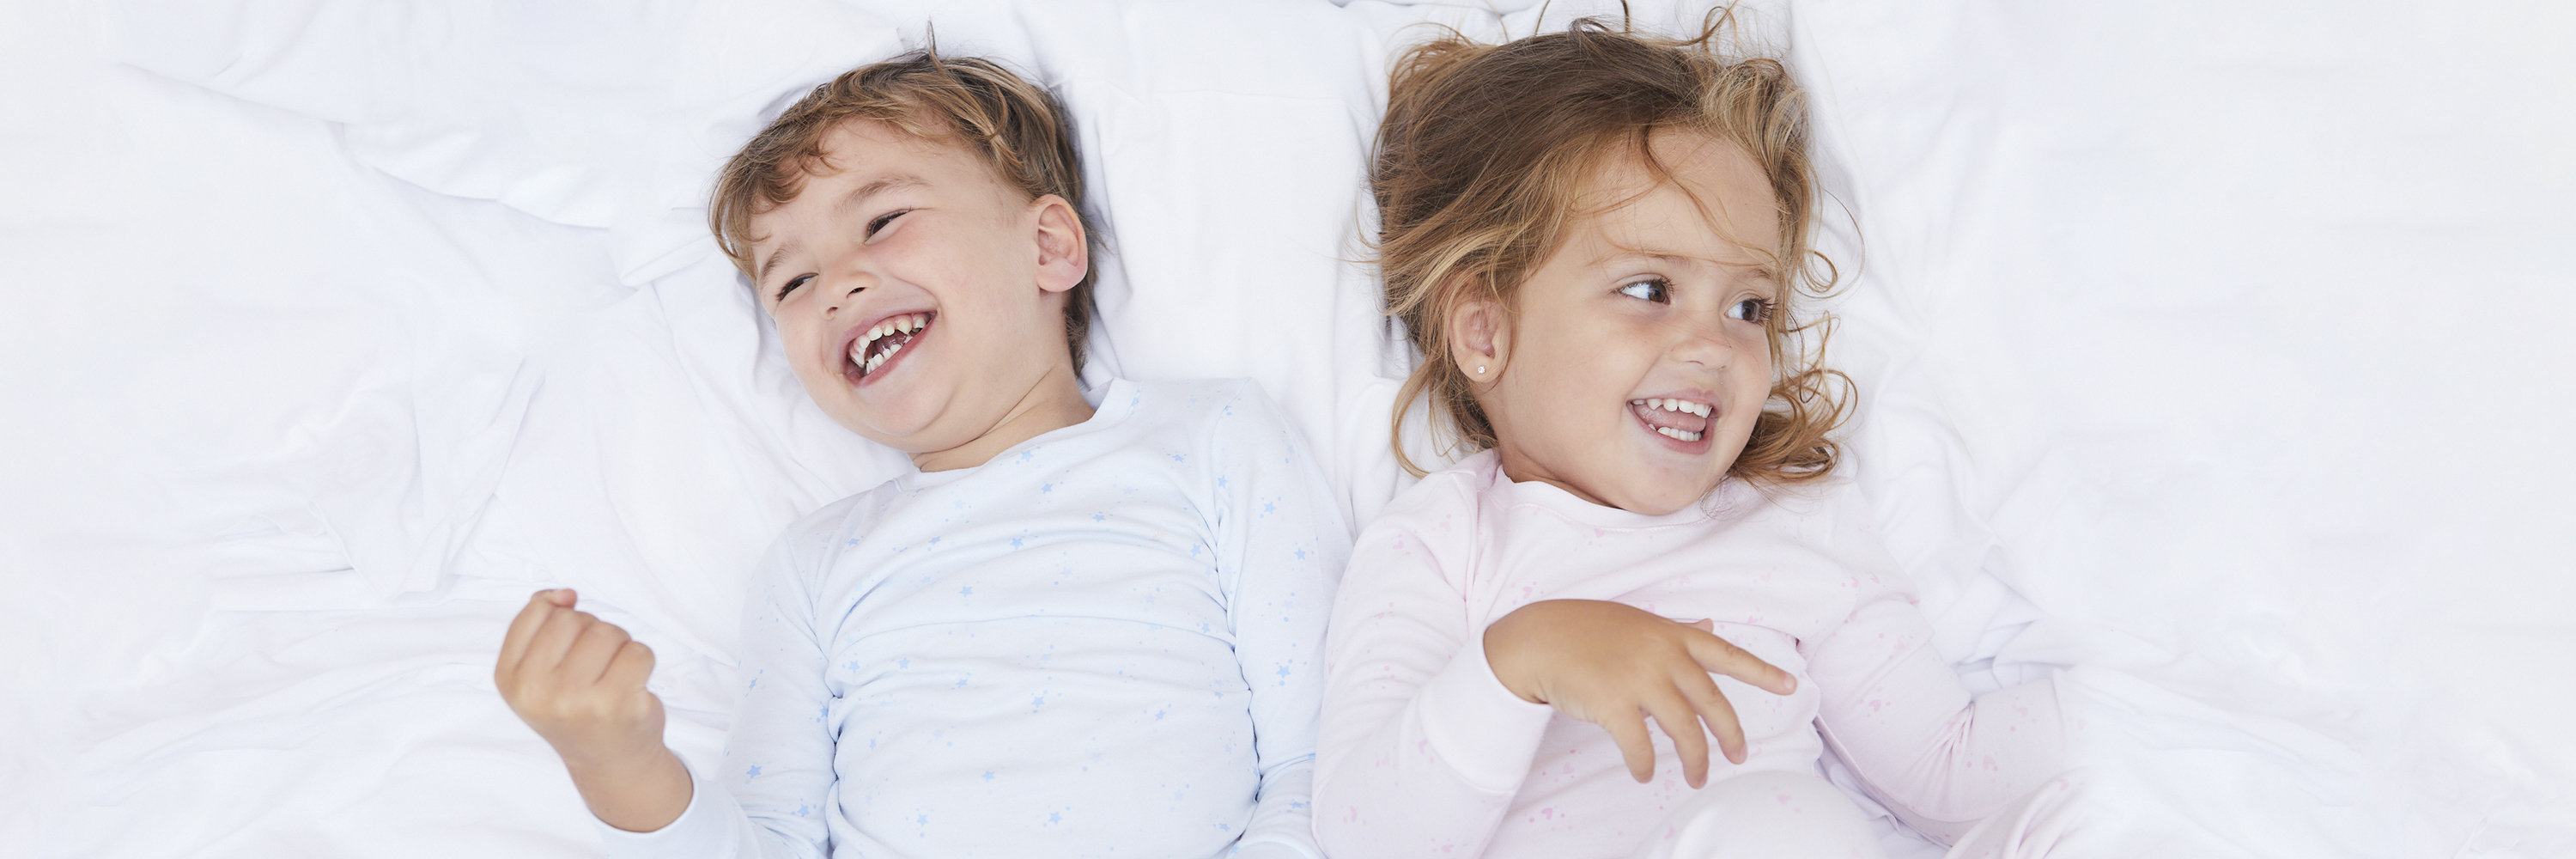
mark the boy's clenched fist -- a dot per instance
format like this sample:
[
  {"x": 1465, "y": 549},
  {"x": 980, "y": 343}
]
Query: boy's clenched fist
[{"x": 579, "y": 682}]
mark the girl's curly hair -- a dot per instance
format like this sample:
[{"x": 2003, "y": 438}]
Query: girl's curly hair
[{"x": 1479, "y": 167}]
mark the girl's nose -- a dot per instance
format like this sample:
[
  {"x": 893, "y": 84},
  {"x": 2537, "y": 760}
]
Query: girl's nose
[{"x": 1706, "y": 345}]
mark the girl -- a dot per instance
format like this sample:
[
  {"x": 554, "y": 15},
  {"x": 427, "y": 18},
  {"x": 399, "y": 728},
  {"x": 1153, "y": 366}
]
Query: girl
[{"x": 1594, "y": 239}]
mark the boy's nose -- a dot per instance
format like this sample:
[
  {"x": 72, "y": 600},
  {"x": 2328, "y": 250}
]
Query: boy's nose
[
  {"x": 839, "y": 295},
  {"x": 841, "y": 283}
]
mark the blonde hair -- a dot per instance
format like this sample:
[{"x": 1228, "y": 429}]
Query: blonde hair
[
  {"x": 1016, "y": 127},
  {"x": 1479, "y": 166}
]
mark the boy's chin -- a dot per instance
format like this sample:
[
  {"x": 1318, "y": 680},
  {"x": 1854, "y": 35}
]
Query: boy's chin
[
  {"x": 906, "y": 439},
  {"x": 912, "y": 438}
]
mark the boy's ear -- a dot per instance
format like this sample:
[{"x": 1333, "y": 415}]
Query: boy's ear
[
  {"x": 1479, "y": 339},
  {"x": 1064, "y": 252}
]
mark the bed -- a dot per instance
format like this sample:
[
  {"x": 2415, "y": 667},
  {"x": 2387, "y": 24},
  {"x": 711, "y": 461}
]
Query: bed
[{"x": 2209, "y": 355}]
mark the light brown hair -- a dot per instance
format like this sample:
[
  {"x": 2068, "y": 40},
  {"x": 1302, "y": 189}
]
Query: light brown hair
[
  {"x": 1015, "y": 127},
  {"x": 1482, "y": 159}
]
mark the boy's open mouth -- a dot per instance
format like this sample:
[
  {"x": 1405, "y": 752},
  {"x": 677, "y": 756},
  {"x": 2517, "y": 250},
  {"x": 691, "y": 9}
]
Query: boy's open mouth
[
  {"x": 880, "y": 343},
  {"x": 1680, "y": 420}
]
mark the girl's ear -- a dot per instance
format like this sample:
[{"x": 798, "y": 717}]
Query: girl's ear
[
  {"x": 1064, "y": 253},
  {"x": 1479, "y": 339}
]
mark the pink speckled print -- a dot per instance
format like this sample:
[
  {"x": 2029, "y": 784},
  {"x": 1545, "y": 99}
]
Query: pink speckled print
[{"x": 1806, "y": 589}]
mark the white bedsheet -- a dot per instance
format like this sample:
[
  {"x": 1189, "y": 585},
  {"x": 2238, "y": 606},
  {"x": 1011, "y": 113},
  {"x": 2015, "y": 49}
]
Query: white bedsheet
[{"x": 2209, "y": 353}]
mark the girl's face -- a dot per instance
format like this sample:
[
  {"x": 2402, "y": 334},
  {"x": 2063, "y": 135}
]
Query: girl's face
[{"x": 1633, "y": 373}]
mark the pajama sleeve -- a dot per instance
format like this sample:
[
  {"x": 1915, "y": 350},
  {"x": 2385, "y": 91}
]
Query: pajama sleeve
[
  {"x": 1281, "y": 549},
  {"x": 771, "y": 796},
  {"x": 1896, "y": 713},
  {"x": 1423, "y": 747}
]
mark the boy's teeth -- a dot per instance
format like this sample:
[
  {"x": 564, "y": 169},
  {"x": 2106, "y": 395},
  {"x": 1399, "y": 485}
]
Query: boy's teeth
[
  {"x": 1679, "y": 434},
  {"x": 900, "y": 325}
]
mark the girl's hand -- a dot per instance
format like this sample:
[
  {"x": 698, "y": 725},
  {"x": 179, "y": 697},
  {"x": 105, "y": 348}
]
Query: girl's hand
[
  {"x": 1614, "y": 665},
  {"x": 580, "y": 683}
]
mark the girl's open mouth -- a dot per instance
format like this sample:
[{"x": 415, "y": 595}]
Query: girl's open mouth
[
  {"x": 1681, "y": 420},
  {"x": 880, "y": 344}
]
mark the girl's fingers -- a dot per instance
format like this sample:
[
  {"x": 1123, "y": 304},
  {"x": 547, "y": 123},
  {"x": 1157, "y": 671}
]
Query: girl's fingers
[
  {"x": 1719, "y": 657},
  {"x": 1681, "y": 722},
  {"x": 1628, "y": 729},
  {"x": 1716, "y": 711},
  {"x": 514, "y": 644}
]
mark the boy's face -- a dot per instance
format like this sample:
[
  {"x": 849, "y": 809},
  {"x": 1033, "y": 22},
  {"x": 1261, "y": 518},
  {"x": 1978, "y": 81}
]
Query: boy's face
[
  {"x": 1639, "y": 360},
  {"x": 920, "y": 299}
]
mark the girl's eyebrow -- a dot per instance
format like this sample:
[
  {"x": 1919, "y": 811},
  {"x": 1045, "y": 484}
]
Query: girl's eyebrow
[
  {"x": 1756, "y": 273},
  {"x": 1665, "y": 259},
  {"x": 1618, "y": 253}
]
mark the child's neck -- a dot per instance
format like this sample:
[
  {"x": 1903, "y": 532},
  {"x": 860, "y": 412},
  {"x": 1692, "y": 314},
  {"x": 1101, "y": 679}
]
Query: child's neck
[{"x": 1053, "y": 404}]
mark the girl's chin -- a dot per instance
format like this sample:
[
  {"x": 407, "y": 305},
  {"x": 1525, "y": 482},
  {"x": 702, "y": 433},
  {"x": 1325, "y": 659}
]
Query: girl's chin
[{"x": 1657, "y": 494}]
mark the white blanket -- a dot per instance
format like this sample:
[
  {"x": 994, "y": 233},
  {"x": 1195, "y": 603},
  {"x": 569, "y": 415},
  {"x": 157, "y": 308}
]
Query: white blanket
[{"x": 2207, "y": 353}]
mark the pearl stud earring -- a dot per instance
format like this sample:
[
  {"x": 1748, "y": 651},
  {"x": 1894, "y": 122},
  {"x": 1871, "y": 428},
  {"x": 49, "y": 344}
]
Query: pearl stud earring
[{"x": 1480, "y": 369}]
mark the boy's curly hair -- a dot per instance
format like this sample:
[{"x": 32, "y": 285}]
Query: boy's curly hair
[
  {"x": 1479, "y": 167},
  {"x": 1017, "y": 128}
]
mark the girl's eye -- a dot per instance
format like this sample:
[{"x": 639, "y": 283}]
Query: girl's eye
[
  {"x": 1754, "y": 310},
  {"x": 791, "y": 285},
  {"x": 1655, "y": 290},
  {"x": 882, "y": 220}
]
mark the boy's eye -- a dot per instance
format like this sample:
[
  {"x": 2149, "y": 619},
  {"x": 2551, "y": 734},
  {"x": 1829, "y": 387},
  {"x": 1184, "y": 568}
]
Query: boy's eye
[
  {"x": 882, "y": 220},
  {"x": 791, "y": 285},
  {"x": 1755, "y": 310},
  {"x": 1655, "y": 290}
]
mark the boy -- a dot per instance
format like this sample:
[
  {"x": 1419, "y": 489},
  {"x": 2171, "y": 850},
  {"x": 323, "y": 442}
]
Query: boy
[{"x": 1074, "y": 632}]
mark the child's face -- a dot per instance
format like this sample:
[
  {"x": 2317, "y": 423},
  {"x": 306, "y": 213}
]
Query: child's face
[
  {"x": 921, "y": 300},
  {"x": 1639, "y": 361}
]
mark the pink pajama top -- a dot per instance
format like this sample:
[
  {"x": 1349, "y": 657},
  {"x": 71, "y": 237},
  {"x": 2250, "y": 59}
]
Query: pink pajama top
[{"x": 1424, "y": 753}]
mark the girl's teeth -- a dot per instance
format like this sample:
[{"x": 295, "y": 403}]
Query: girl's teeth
[
  {"x": 1674, "y": 405},
  {"x": 1679, "y": 434}
]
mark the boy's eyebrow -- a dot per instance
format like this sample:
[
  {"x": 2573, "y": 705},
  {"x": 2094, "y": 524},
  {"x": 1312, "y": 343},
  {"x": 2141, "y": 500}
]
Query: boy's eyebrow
[
  {"x": 881, "y": 185},
  {"x": 775, "y": 255}
]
